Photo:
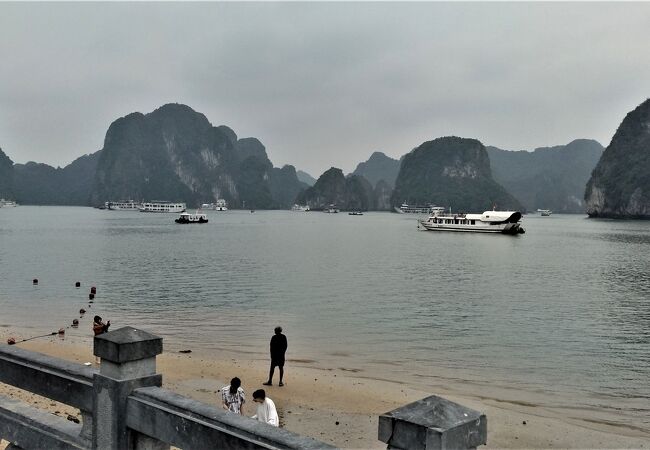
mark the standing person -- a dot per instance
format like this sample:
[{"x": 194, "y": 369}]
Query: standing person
[
  {"x": 100, "y": 327},
  {"x": 278, "y": 349},
  {"x": 266, "y": 411},
  {"x": 233, "y": 396}
]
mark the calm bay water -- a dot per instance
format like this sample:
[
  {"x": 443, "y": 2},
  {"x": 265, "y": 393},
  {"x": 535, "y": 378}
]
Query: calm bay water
[{"x": 558, "y": 317}]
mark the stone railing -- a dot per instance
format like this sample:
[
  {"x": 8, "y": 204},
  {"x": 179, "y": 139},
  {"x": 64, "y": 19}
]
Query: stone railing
[{"x": 123, "y": 407}]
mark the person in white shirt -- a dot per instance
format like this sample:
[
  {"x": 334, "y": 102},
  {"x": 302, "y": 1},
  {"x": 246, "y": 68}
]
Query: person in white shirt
[{"x": 266, "y": 411}]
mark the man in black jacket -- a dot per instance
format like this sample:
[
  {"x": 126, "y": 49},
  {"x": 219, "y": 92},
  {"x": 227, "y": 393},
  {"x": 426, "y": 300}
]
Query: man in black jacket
[{"x": 278, "y": 349}]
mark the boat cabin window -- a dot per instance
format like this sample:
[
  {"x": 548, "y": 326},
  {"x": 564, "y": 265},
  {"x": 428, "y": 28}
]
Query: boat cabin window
[{"x": 473, "y": 222}]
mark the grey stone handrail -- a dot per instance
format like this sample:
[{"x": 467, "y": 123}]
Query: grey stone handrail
[
  {"x": 186, "y": 423},
  {"x": 62, "y": 381}
]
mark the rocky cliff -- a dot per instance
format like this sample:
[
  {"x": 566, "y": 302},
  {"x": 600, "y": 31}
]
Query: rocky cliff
[
  {"x": 378, "y": 167},
  {"x": 332, "y": 187},
  {"x": 619, "y": 186},
  {"x": 451, "y": 172},
  {"x": 6, "y": 176},
  {"x": 548, "y": 177},
  {"x": 174, "y": 153}
]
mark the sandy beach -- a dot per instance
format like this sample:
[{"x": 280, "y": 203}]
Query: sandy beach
[{"x": 341, "y": 407}]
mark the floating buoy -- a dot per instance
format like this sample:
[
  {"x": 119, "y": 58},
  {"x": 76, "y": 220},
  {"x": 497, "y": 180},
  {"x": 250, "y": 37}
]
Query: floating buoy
[
  {"x": 82, "y": 311},
  {"x": 75, "y": 322},
  {"x": 77, "y": 284},
  {"x": 11, "y": 341},
  {"x": 61, "y": 330},
  {"x": 91, "y": 296},
  {"x": 35, "y": 281},
  {"x": 93, "y": 290}
]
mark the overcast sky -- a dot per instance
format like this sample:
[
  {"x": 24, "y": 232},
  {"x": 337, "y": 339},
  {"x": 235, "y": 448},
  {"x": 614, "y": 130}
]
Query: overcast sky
[{"x": 322, "y": 84}]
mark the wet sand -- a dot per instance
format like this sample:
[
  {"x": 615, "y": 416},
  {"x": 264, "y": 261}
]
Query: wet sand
[{"x": 340, "y": 406}]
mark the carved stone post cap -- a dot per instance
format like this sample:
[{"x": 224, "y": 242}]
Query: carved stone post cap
[
  {"x": 127, "y": 344},
  {"x": 433, "y": 423}
]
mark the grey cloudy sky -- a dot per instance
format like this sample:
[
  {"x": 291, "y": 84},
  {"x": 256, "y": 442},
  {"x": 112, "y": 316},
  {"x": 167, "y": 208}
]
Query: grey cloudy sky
[{"x": 322, "y": 84}]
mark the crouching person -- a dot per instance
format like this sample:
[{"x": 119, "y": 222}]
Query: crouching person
[{"x": 266, "y": 411}]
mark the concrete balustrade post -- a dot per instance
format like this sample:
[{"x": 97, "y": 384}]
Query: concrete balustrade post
[
  {"x": 433, "y": 423},
  {"x": 128, "y": 362}
]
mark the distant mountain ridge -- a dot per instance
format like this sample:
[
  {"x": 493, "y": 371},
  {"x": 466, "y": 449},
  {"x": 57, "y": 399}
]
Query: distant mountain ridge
[
  {"x": 548, "y": 177},
  {"x": 305, "y": 178},
  {"x": 378, "y": 167},
  {"x": 619, "y": 186}
]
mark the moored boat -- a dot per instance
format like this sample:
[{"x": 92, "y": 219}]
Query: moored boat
[
  {"x": 124, "y": 205},
  {"x": 505, "y": 222},
  {"x": 297, "y": 207},
  {"x": 545, "y": 212},
  {"x": 405, "y": 208},
  {"x": 355, "y": 213},
  {"x": 221, "y": 205},
  {"x": 7, "y": 203},
  {"x": 332, "y": 209},
  {"x": 197, "y": 217},
  {"x": 162, "y": 207}
]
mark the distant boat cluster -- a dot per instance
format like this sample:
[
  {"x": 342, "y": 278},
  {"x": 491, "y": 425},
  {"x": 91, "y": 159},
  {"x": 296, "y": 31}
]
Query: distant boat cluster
[{"x": 505, "y": 222}]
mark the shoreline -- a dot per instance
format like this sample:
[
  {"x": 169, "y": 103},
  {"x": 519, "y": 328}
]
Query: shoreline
[{"x": 341, "y": 406}]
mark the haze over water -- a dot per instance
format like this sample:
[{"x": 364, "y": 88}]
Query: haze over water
[{"x": 558, "y": 317}]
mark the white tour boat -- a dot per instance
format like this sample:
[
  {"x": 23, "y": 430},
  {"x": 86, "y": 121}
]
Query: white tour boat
[
  {"x": 332, "y": 209},
  {"x": 545, "y": 212},
  {"x": 221, "y": 205},
  {"x": 297, "y": 207},
  {"x": 197, "y": 217},
  {"x": 507, "y": 222},
  {"x": 162, "y": 207},
  {"x": 418, "y": 209},
  {"x": 7, "y": 203},
  {"x": 128, "y": 205}
]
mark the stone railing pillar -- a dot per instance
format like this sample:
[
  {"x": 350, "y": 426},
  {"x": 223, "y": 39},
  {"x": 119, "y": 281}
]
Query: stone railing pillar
[
  {"x": 128, "y": 362},
  {"x": 433, "y": 423}
]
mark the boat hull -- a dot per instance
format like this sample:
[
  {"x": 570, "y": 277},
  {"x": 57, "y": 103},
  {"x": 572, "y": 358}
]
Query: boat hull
[
  {"x": 509, "y": 228},
  {"x": 185, "y": 221}
]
